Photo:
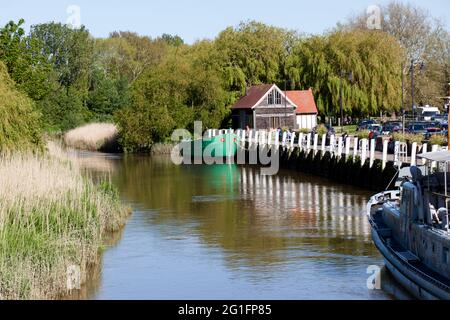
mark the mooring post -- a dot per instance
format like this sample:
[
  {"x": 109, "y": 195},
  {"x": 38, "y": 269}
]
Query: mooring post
[
  {"x": 355, "y": 147},
  {"x": 413, "y": 153},
  {"x": 243, "y": 137},
  {"x": 332, "y": 144},
  {"x": 308, "y": 142},
  {"x": 363, "y": 151},
  {"x": 424, "y": 150},
  {"x": 277, "y": 138},
  {"x": 372, "y": 152},
  {"x": 263, "y": 138},
  {"x": 292, "y": 140},
  {"x": 284, "y": 138},
  {"x": 339, "y": 151},
  {"x": 324, "y": 142},
  {"x": 434, "y": 148},
  {"x": 396, "y": 151},
  {"x": 256, "y": 137},
  {"x": 348, "y": 140},
  {"x": 385, "y": 153},
  {"x": 300, "y": 141},
  {"x": 316, "y": 141},
  {"x": 269, "y": 138}
]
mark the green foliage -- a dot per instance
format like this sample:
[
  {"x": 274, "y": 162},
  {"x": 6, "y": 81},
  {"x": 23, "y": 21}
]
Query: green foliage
[
  {"x": 321, "y": 130},
  {"x": 363, "y": 134},
  {"x": 437, "y": 139},
  {"x": 26, "y": 65},
  {"x": 19, "y": 121},
  {"x": 374, "y": 58}
]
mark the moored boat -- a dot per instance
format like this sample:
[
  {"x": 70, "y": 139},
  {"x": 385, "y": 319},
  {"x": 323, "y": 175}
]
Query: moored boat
[
  {"x": 410, "y": 227},
  {"x": 220, "y": 146}
]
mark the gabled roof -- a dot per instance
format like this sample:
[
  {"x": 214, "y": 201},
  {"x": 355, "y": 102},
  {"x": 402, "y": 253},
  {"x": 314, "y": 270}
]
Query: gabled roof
[
  {"x": 255, "y": 94},
  {"x": 304, "y": 99}
]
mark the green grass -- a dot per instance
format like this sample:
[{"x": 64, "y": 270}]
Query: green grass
[{"x": 351, "y": 129}]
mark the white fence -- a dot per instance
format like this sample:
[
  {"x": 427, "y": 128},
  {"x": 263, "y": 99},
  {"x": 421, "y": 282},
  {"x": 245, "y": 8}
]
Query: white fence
[{"x": 364, "y": 149}]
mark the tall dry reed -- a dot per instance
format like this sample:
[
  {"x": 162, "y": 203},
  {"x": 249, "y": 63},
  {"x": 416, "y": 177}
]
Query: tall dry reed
[
  {"x": 51, "y": 219},
  {"x": 93, "y": 137}
]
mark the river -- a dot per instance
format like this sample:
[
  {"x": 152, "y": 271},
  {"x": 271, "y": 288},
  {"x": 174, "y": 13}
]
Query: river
[{"x": 227, "y": 232}]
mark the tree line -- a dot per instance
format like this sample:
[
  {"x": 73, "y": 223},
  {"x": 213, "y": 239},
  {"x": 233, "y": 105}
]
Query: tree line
[{"x": 151, "y": 86}]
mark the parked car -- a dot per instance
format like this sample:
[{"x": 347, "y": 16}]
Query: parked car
[
  {"x": 364, "y": 125},
  {"x": 433, "y": 126},
  {"x": 391, "y": 127},
  {"x": 417, "y": 128}
]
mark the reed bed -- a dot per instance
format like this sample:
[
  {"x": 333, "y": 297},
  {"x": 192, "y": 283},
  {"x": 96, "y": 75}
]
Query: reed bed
[
  {"x": 51, "y": 218},
  {"x": 93, "y": 137}
]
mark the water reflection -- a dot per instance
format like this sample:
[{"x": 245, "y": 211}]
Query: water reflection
[{"x": 227, "y": 232}]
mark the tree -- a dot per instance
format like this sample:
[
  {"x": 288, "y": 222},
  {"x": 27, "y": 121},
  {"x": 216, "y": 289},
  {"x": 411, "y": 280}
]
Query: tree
[
  {"x": 174, "y": 41},
  {"x": 373, "y": 57},
  {"x": 423, "y": 38},
  {"x": 20, "y": 126},
  {"x": 69, "y": 50},
  {"x": 26, "y": 65},
  {"x": 128, "y": 55},
  {"x": 252, "y": 53}
]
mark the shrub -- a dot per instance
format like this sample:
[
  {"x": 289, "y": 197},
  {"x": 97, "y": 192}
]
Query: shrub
[
  {"x": 321, "y": 130},
  {"x": 407, "y": 137},
  {"x": 305, "y": 131},
  {"x": 19, "y": 119},
  {"x": 363, "y": 134},
  {"x": 437, "y": 139}
]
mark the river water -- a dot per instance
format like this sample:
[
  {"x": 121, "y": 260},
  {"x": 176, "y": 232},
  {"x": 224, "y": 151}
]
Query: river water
[{"x": 227, "y": 232}]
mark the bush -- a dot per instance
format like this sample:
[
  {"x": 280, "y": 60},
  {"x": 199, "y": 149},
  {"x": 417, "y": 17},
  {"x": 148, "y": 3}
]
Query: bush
[
  {"x": 321, "y": 130},
  {"x": 437, "y": 139},
  {"x": 407, "y": 137},
  {"x": 305, "y": 131},
  {"x": 19, "y": 119},
  {"x": 363, "y": 134}
]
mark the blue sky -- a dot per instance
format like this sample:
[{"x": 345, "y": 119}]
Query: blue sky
[{"x": 198, "y": 19}]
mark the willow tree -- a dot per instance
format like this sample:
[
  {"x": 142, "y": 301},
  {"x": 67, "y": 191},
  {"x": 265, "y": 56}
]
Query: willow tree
[
  {"x": 252, "y": 53},
  {"x": 373, "y": 58}
]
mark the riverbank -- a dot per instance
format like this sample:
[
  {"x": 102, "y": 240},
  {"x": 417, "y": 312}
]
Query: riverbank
[{"x": 52, "y": 222}]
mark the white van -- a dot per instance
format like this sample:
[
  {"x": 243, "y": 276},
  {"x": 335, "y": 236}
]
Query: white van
[{"x": 427, "y": 112}]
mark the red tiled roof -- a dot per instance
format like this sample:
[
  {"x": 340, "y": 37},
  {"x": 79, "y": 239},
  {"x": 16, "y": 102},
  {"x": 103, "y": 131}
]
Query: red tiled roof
[
  {"x": 304, "y": 100},
  {"x": 254, "y": 94}
]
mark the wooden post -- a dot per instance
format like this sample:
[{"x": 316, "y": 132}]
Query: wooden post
[
  {"x": 308, "y": 142},
  {"x": 300, "y": 141},
  {"x": 413, "y": 153},
  {"x": 316, "y": 140},
  {"x": 332, "y": 141},
  {"x": 385, "y": 153},
  {"x": 339, "y": 151},
  {"x": 372, "y": 152},
  {"x": 424, "y": 150},
  {"x": 434, "y": 149},
  {"x": 277, "y": 138},
  {"x": 284, "y": 138},
  {"x": 347, "y": 147},
  {"x": 355, "y": 147},
  {"x": 243, "y": 137},
  {"x": 292, "y": 140},
  {"x": 256, "y": 137},
  {"x": 363, "y": 151},
  {"x": 324, "y": 141},
  {"x": 269, "y": 138}
]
